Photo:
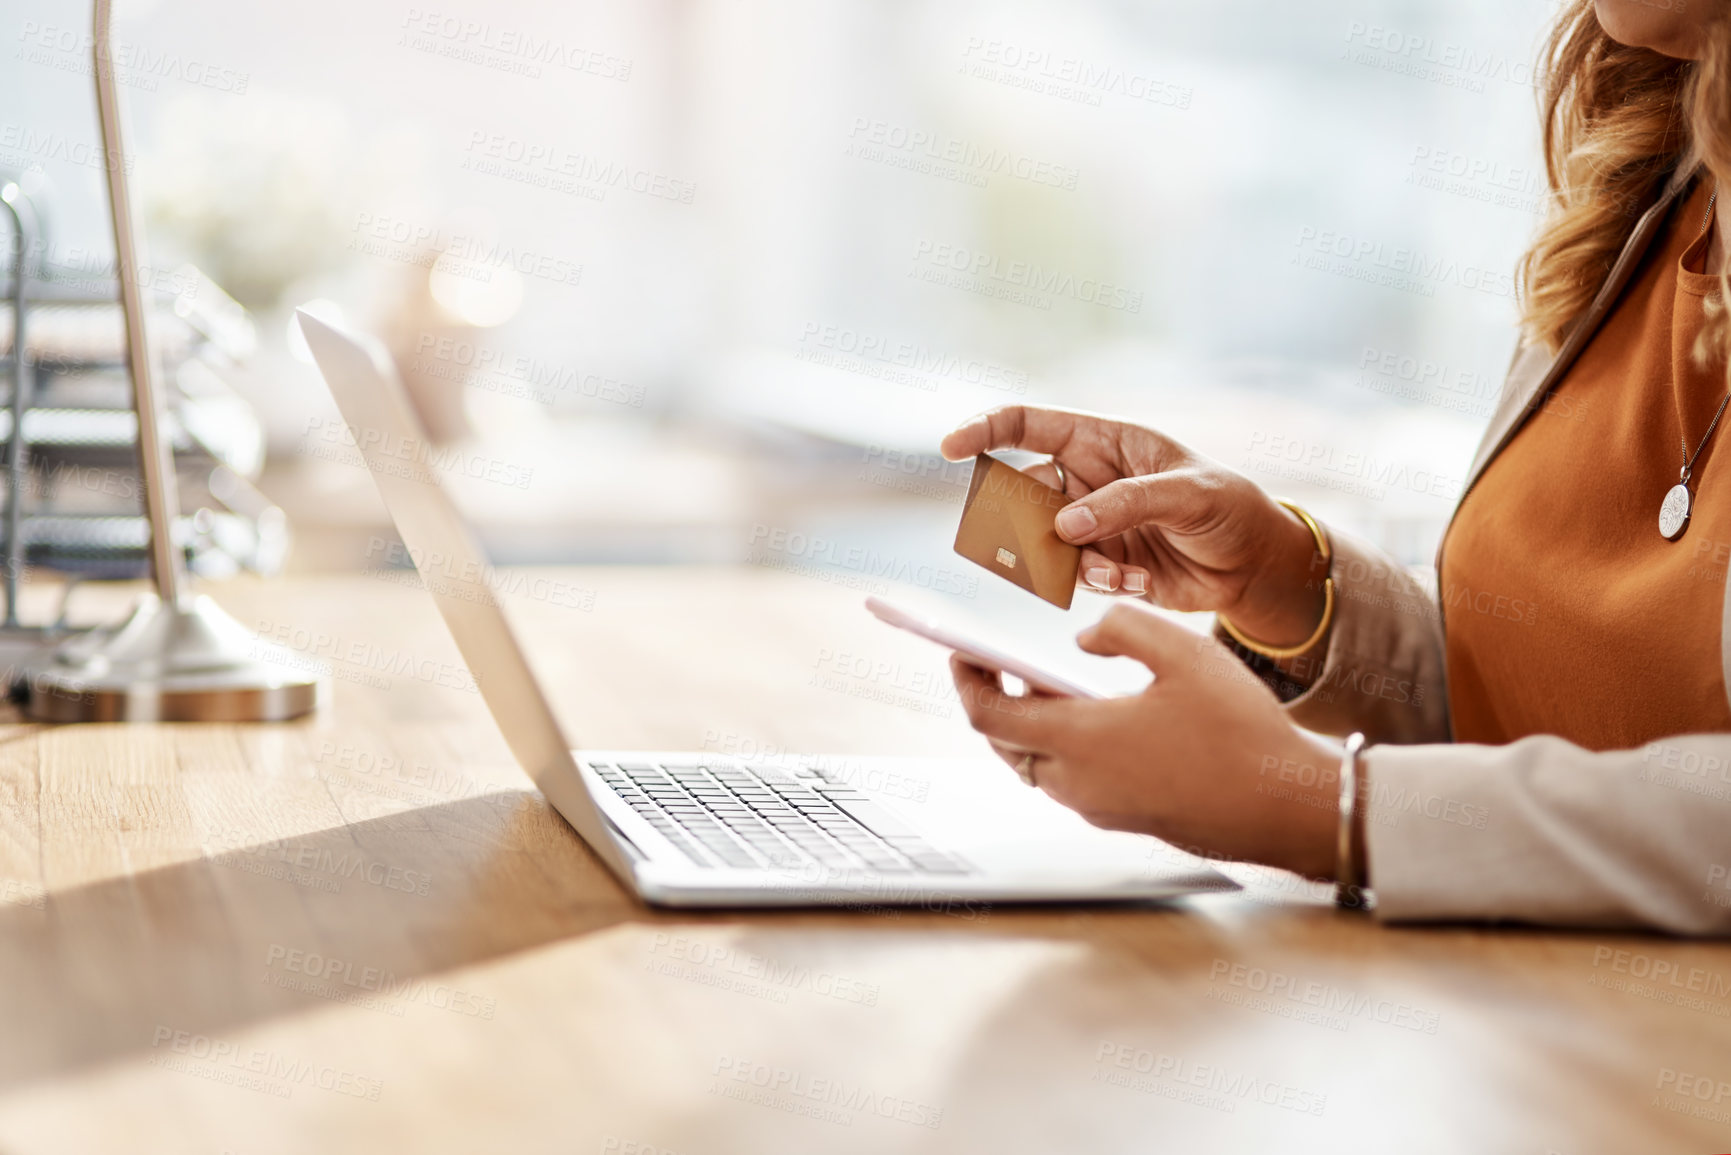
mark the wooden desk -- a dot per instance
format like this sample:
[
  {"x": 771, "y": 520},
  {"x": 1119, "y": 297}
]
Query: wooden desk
[{"x": 364, "y": 934}]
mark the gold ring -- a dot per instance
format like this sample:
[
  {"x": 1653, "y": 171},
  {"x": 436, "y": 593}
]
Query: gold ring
[{"x": 1025, "y": 769}]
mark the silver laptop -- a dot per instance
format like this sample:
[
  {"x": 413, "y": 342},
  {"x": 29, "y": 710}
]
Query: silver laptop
[{"x": 708, "y": 829}]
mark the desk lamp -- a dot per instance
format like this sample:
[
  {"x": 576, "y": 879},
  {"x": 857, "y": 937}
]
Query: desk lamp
[{"x": 179, "y": 657}]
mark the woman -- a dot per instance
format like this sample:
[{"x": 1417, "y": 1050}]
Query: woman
[{"x": 1574, "y": 765}]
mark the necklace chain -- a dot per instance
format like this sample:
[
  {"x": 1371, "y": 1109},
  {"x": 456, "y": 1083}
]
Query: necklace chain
[{"x": 1689, "y": 463}]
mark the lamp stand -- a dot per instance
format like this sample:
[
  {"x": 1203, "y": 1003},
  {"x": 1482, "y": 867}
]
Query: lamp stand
[{"x": 179, "y": 657}]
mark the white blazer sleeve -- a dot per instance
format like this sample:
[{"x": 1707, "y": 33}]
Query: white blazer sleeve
[{"x": 1542, "y": 831}]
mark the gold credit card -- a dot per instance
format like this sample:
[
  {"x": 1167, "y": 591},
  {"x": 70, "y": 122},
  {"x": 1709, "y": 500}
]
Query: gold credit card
[{"x": 1007, "y": 527}]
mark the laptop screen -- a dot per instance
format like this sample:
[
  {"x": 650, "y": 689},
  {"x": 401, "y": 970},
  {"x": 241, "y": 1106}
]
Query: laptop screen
[{"x": 389, "y": 437}]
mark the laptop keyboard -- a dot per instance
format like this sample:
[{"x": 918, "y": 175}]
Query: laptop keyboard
[{"x": 728, "y": 814}]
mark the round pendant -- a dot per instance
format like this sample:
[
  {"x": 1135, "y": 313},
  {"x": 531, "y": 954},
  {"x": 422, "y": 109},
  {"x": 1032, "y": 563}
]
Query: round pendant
[{"x": 1674, "y": 514}]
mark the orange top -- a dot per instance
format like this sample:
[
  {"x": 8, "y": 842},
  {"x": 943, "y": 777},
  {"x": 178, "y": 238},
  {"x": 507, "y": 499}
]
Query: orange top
[{"x": 1566, "y": 611}]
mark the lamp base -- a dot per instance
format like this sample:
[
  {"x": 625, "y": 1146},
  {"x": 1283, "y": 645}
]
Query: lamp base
[{"x": 186, "y": 663}]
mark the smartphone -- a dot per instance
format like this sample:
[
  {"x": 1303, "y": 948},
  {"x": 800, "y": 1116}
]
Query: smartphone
[{"x": 977, "y": 652}]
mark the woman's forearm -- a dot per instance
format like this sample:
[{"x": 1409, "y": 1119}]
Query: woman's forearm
[{"x": 1543, "y": 831}]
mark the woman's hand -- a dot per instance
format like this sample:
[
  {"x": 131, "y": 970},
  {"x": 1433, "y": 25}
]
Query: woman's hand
[
  {"x": 1204, "y": 758},
  {"x": 1161, "y": 520}
]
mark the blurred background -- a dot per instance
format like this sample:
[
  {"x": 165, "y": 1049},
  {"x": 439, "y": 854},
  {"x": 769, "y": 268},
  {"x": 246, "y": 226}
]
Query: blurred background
[{"x": 686, "y": 281}]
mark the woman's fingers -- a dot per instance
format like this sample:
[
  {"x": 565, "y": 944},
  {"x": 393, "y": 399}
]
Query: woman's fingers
[
  {"x": 1096, "y": 571},
  {"x": 1026, "y": 721},
  {"x": 1169, "y": 500},
  {"x": 1046, "y": 473},
  {"x": 1099, "y": 572},
  {"x": 1013, "y": 427},
  {"x": 1135, "y": 631}
]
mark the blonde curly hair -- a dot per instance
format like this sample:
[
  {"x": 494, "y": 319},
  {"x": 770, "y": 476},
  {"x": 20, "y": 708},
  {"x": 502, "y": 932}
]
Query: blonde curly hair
[{"x": 1617, "y": 122}]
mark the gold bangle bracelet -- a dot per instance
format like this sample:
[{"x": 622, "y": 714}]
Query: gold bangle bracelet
[
  {"x": 1349, "y": 867},
  {"x": 1324, "y": 551}
]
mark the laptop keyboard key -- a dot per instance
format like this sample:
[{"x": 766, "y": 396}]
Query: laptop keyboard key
[
  {"x": 747, "y": 818},
  {"x": 874, "y": 818}
]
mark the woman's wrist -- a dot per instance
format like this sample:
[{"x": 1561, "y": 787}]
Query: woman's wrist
[
  {"x": 1283, "y": 602},
  {"x": 1306, "y": 839},
  {"x": 1360, "y": 846},
  {"x": 1351, "y": 873}
]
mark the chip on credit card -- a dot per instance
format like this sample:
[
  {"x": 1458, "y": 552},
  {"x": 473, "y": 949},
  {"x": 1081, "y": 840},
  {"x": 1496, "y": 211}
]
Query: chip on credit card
[{"x": 1007, "y": 527}]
